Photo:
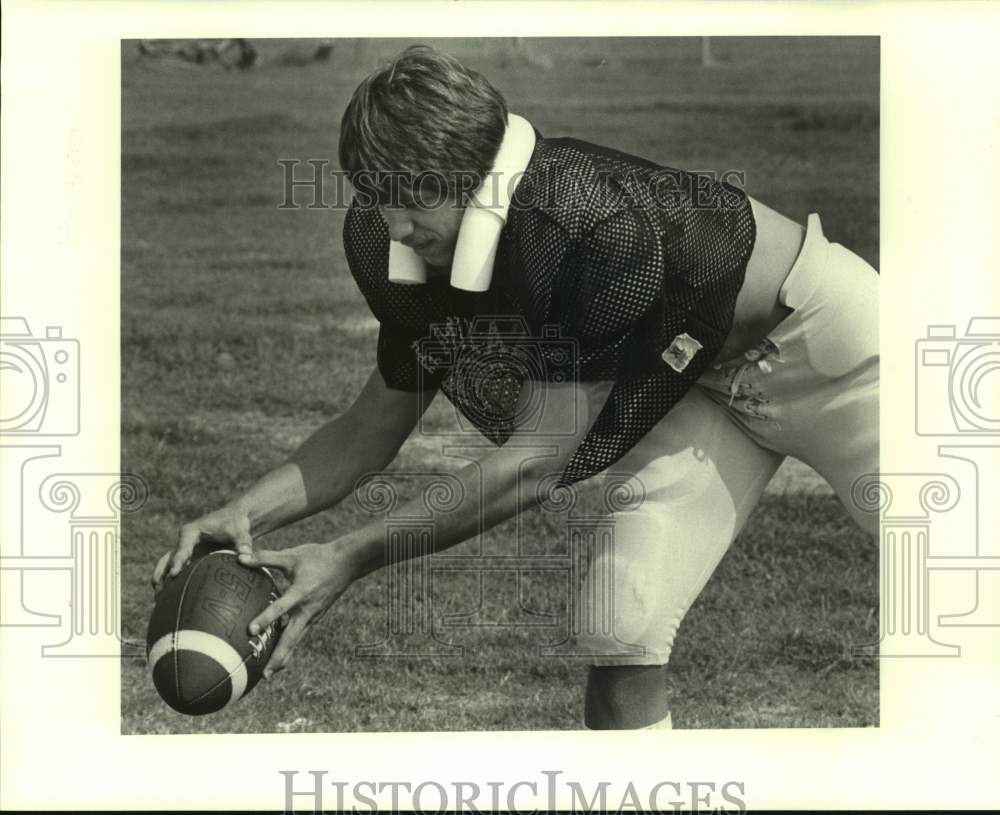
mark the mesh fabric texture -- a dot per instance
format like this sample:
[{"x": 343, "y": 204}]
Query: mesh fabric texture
[{"x": 604, "y": 260}]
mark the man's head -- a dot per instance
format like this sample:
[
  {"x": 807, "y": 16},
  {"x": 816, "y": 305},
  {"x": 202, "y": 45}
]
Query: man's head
[{"x": 418, "y": 136}]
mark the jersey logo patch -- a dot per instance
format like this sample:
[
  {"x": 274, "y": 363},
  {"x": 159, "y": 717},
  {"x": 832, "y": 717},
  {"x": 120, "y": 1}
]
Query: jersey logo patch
[{"x": 681, "y": 351}]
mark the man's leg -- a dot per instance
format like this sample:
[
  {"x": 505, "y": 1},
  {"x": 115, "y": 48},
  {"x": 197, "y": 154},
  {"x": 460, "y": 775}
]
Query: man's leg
[
  {"x": 811, "y": 391},
  {"x": 842, "y": 443},
  {"x": 700, "y": 477},
  {"x": 626, "y": 697},
  {"x": 817, "y": 399}
]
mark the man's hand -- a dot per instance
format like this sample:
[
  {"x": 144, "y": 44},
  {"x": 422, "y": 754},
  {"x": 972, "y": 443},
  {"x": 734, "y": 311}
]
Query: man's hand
[
  {"x": 321, "y": 472},
  {"x": 227, "y": 526},
  {"x": 318, "y": 574}
]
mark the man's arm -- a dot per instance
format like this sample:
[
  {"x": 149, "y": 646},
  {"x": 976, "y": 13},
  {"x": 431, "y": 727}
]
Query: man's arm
[
  {"x": 326, "y": 467},
  {"x": 505, "y": 481},
  {"x": 499, "y": 485},
  {"x": 319, "y": 474}
]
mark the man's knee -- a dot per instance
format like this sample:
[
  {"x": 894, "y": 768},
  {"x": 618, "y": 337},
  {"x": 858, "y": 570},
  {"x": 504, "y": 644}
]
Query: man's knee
[{"x": 620, "y": 606}]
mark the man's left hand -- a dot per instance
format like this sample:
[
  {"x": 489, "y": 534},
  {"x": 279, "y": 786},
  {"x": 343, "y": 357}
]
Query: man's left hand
[{"x": 318, "y": 573}]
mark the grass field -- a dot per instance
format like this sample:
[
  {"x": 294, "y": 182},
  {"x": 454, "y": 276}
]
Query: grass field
[{"x": 242, "y": 331}]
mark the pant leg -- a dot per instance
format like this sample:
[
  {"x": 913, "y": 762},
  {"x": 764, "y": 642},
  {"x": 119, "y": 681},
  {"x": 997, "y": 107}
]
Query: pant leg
[
  {"x": 696, "y": 479},
  {"x": 816, "y": 398},
  {"x": 842, "y": 339}
]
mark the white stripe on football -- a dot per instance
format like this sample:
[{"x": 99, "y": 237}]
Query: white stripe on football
[{"x": 209, "y": 645}]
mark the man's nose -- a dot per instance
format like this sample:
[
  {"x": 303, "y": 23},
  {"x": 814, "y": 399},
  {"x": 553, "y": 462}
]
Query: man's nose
[{"x": 399, "y": 223}]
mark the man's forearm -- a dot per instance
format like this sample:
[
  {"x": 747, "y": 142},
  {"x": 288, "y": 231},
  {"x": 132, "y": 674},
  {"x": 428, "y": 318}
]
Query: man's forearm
[
  {"x": 501, "y": 483},
  {"x": 319, "y": 474},
  {"x": 495, "y": 488}
]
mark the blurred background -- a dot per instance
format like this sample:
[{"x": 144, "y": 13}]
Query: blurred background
[{"x": 243, "y": 331}]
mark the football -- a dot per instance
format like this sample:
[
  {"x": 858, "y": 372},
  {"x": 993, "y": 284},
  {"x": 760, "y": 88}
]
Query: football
[{"x": 200, "y": 655}]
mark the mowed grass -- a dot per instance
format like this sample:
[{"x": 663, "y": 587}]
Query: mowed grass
[{"x": 242, "y": 331}]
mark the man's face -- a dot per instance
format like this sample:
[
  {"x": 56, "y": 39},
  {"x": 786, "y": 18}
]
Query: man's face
[{"x": 428, "y": 225}]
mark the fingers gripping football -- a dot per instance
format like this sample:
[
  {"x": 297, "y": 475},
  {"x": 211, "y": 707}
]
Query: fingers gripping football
[
  {"x": 316, "y": 581},
  {"x": 225, "y": 527},
  {"x": 293, "y": 632}
]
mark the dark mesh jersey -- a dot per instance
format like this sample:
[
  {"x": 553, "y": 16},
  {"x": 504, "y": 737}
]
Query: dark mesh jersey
[{"x": 604, "y": 260}]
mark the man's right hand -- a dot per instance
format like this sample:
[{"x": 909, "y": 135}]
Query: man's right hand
[{"x": 226, "y": 526}]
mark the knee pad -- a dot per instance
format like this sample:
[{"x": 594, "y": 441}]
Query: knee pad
[{"x": 619, "y": 610}]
